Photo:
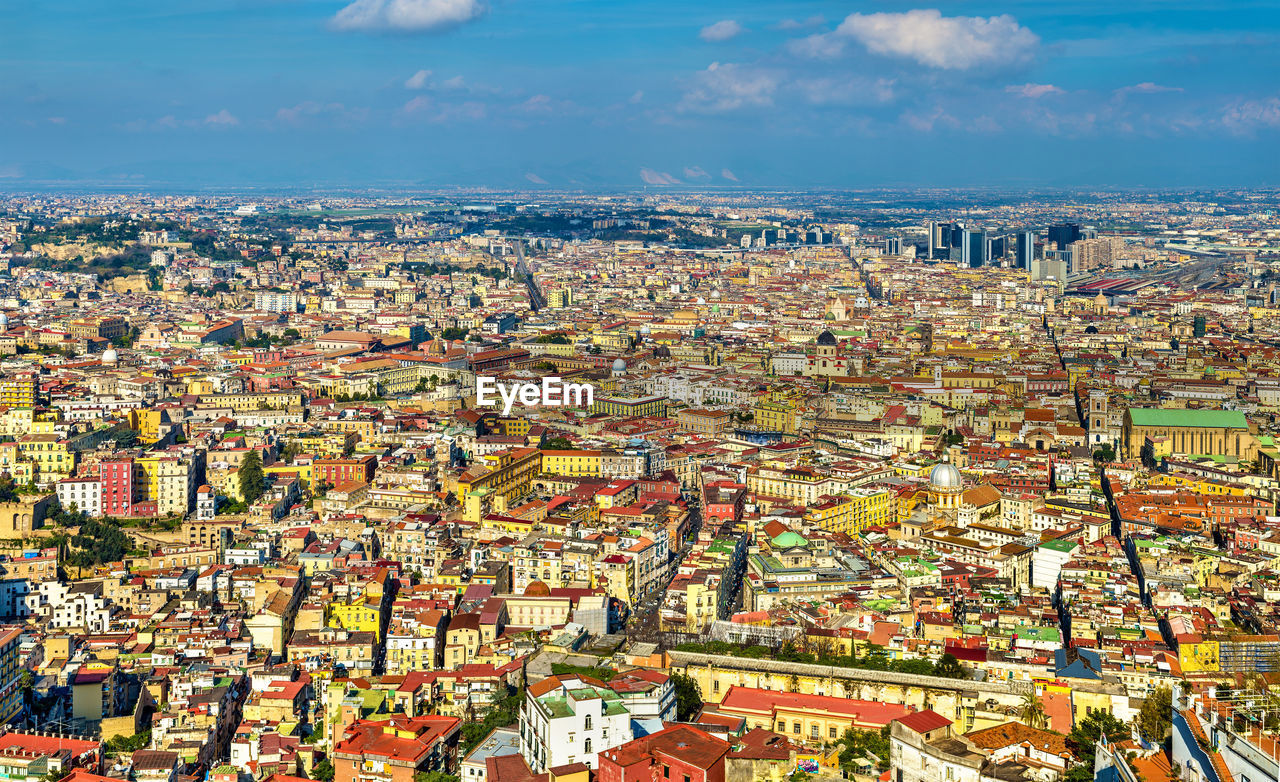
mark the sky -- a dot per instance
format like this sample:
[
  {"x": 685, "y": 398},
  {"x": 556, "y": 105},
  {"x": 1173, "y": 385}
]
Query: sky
[{"x": 619, "y": 94}]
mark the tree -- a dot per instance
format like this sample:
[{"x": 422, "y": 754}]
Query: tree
[
  {"x": 322, "y": 771},
  {"x": 950, "y": 668},
  {"x": 1155, "y": 719},
  {"x": 1032, "y": 712},
  {"x": 688, "y": 696},
  {"x": 1105, "y": 454},
  {"x": 433, "y": 776},
  {"x": 1083, "y": 740},
  {"x": 251, "y": 477},
  {"x": 557, "y": 444}
]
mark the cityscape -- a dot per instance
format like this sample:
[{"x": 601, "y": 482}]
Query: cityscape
[{"x": 463, "y": 391}]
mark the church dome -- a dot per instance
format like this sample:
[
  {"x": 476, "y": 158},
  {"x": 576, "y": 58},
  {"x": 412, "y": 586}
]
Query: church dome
[
  {"x": 537, "y": 589},
  {"x": 945, "y": 477},
  {"x": 619, "y": 365},
  {"x": 109, "y": 356},
  {"x": 789, "y": 539},
  {"x": 826, "y": 338}
]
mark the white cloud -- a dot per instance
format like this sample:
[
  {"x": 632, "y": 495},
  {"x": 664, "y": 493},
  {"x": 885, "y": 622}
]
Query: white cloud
[
  {"x": 1030, "y": 90},
  {"x": 422, "y": 106},
  {"x": 534, "y": 178},
  {"x": 651, "y": 177},
  {"x": 721, "y": 31},
  {"x": 223, "y": 119},
  {"x": 729, "y": 175},
  {"x": 414, "y": 16},
  {"x": 926, "y": 122},
  {"x": 294, "y": 115},
  {"x": 846, "y": 90},
  {"x": 729, "y": 86},
  {"x": 1145, "y": 88},
  {"x": 418, "y": 80},
  {"x": 929, "y": 38},
  {"x": 1250, "y": 115},
  {"x": 799, "y": 24},
  {"x": 538, "y": 104},
  {"x": 695, "y": 172},
  {"x": 417, "y": 105}
]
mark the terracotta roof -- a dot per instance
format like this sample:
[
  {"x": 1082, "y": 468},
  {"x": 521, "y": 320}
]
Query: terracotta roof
[{"x": 924, "y": 721}]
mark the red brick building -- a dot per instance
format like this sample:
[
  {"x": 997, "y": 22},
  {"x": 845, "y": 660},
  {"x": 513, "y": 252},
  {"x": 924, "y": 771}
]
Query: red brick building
[
  {"x": 678, "y": 754},
  {"x": 336, "y": 472}
]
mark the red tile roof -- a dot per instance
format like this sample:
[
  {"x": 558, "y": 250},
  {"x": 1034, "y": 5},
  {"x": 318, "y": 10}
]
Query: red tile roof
[{"x": 924, "y": 721}]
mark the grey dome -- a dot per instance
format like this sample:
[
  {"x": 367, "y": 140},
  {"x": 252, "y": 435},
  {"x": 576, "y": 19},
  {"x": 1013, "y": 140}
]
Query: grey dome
[
  {"x": 619, "y": 365},
  {"x": 827, "y": 338},
  {"x": 945, "y": 477}
]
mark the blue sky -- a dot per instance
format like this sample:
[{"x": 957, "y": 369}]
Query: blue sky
[{"x": 620, "y": 93}]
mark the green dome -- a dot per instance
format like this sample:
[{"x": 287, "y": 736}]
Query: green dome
[{"x": 789, "y": 539}]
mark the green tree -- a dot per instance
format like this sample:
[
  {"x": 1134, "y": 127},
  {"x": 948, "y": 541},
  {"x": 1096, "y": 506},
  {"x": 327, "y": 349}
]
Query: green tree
[
  {"x": 433, "y": 776},
  {"x": 322, "y": 771},
  {"x": 1155, "y": 719},
  {"x": 1083, "y": 741},
  {"x": 949, "y": 667},
  {"x": 688, "y": 696},
  {"x": 557, "y": 444},
  {"x": 251, "y": 477},
  {"x": 1032, "y": 712}
]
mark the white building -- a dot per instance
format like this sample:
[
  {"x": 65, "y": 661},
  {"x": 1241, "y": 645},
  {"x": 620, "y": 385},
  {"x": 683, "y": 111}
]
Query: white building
[
  {"x": 565, "y": 720},
  {"x": 78, "y": 605},
  {"x": 275, "y": 301},
  {"x": 83, "y": 493},
  {"x": 1047, "y": 562}
]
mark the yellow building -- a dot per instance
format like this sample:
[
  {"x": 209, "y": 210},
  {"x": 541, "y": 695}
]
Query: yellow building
[
  {"x": 363, "y": 615},
  {"x": 495, "y": 480},
  {"x": 577, "y": 464},
  {"x": 50, "y": 454},
  {"x": 630, "y": 407},
  {"x": 19, "y": 391},
  {"x": 854, "y": 511},
  {"x": 247, "y": 403},
  {"x": 706, "y": 422},
  {"x": 777, "y": 416}
]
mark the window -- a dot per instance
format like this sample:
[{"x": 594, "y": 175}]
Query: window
[
  {"x": 795, "y": 728},
  {"x": 666, "y": 772},
  {"x": 586, "y": 745},
  {"x": 782, "y": 726},
  {"x": 715, "y": 686},
  {"x": 587, "y": 723},
  {"x": 833, "y": 732},
  {"x": 814, "y": 731}
]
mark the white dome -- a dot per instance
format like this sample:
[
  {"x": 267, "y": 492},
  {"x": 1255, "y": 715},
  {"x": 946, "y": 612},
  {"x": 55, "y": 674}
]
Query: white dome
[
  {"x": 643, "y": 329},
  {"x": 619, "y": 365},
  {"x": 945, "y": 477},
  {"x": 109, "y": 356},
  {"x": 4, "y": 319}
]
